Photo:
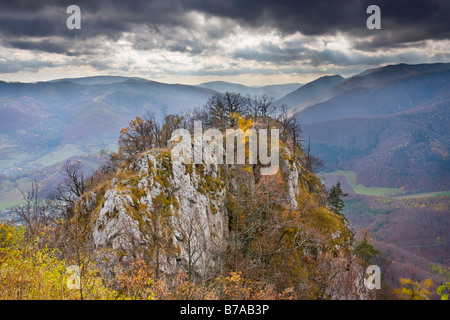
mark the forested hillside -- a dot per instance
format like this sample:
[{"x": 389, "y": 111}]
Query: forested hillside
[
  {"x": 147, "y": 226},
  {"x": 389, "y": 125}
]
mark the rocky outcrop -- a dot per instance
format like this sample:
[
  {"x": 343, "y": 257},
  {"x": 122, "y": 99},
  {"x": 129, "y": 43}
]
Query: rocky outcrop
[
  {"x": 291, "y": 170},
  {"x": 179, "y": 215},
  {"x": 156, "y": 199}
]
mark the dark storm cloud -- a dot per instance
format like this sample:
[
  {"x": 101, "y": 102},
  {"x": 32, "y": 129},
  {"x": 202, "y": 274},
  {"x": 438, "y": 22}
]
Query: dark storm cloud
[
  {"x": 152, "y": 25},
  {"x": 430, "y": 18},
  {"x": 42, "y": 45},
  {"x": 302, "y": 54},
  {"x": 410, "y": 20},
  {"x": 44, "y": 18}
]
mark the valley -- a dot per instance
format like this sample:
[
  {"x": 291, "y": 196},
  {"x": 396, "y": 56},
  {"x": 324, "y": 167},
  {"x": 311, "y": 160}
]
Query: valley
[
  {"x": 384, "y": 134},
  {"x": 410, "y": 234}
]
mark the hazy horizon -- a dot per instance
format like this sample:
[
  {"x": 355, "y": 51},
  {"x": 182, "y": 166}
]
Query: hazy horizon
[{"x": 213, "y": 79}]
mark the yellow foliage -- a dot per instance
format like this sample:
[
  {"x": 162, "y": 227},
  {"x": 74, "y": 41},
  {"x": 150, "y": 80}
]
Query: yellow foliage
[
  {"x": 242, "y": 122},
  {"x": 414, "y": 290},
  {"x": 31, "y": 271},
  {"x": 245, "y": 124},
  {"x": 236, "y": 287},
  {"x": 136, "y": 282},
  {"x": 180, "y": 287}
]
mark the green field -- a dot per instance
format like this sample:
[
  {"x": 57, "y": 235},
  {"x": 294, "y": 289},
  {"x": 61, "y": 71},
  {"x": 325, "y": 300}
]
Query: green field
[
  {"x": 10, "y": 194},
  {"x": 424, "y": 195},
  {"x": 13, "y": 159},
  {"x": 396, "y": 193},
  {"x": 363, "y": 190},
  {"x": 97, "y": 148},
  {"x": 59, "y": 155},
  {"x": 68, "y": 151}
]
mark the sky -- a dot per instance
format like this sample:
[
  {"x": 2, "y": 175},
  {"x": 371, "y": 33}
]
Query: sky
[{"x": 252, "y": 42}]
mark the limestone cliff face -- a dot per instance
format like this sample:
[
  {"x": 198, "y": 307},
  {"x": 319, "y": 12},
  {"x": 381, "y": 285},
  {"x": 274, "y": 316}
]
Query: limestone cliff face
[
  {"x": 167, "y": 202},
  {"x": 194, "y": 207}
]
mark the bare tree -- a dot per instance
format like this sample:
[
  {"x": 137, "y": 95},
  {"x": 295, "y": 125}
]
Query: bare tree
[
  {"x": 32, "y": 213},
  {"x": 158, "y": 229},
  {"x": 193, "y": 242},
  {"x": 73, "y": 184},
  {"x": 217, "y": 111},
  {"x": 290, "y": 126},
  {"x": 262, "y": 106},
  {"x": 112, "y": 161},
  {"x": 78, "y": 246},
  {"x": 312, "y": 163}
]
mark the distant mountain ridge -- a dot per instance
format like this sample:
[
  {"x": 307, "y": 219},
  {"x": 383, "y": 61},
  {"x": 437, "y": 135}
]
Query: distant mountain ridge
[
  {"x": 390, "y": 125},
  {"x": 275, "y": 91},
  {"x": 97, "y": 80},
  {"x": 88, "y": 112},
  {"x": 364, "y": 96},
  {"x": 309, "y": 93},
  {"x": 40, "y": 118},
  {"x": 358, "y": 123}
]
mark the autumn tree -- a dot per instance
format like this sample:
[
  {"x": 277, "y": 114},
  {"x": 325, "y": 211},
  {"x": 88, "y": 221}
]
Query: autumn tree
[
  {"x": 141, "y": 135},
  {"x": 444, "y": 291},
  {"x": 30, "y": 271},
  {"x": 265, "y": 232},
  {"x": 171, "y": 123},
  {"x": 236, "y": 287},
  {"x": 74, "y": 238},
  {"x": 414, "y": 290},
  {"x": 136, "y": 281}
]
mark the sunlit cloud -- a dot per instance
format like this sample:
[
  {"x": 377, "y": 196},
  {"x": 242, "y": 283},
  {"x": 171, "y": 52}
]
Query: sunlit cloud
[{"x": 191, "y": 41}]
